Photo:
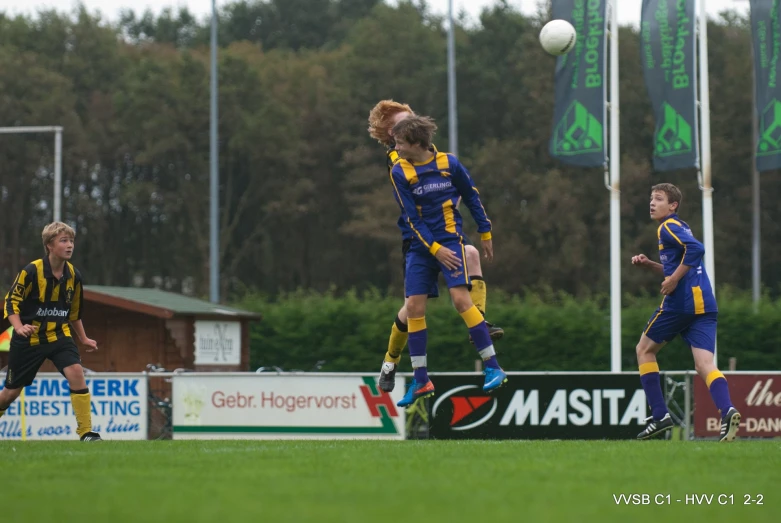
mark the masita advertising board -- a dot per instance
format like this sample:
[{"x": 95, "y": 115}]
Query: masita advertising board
[
  {"x": 539, "y": 406},
  {"x": 119, "y": 408},
  {"x": 284, "y": 406}
]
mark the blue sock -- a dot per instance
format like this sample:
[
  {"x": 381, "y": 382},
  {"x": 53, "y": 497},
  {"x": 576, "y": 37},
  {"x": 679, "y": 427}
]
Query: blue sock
[
  {"x": 649, "y": 377},
  {"x": 418, "y": 337},
  {"x": 719, "y": 391},
  {"x": 480, "y": 337}
]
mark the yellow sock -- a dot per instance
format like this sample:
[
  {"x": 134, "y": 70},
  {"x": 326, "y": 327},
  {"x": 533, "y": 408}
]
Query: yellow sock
[
  {"x": 396, "y": 343},
  {"x": 479, "y": 294},
  {"x": 81, "y": 401}
]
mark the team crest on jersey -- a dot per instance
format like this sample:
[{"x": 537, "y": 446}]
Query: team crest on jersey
[
  {"x": 68, "y": 296},
  {"x": 19, "y": 290}
]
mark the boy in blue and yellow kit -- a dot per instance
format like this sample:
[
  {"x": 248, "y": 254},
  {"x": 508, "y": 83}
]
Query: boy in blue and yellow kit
[
  {"x": 688, "y": 308},
  {"x": 428, "y": 187}
]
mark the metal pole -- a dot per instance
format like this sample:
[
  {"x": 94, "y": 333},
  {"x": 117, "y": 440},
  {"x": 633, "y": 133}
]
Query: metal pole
[
  {"x": 615, "y": 199},
  {"x": 214, "y": 186},
  {"x": 57, "y": 175},
  {"x": 451, "y": 83},
  {"x": 707, "y": 188},
  {"x": 756, "y": 238}
]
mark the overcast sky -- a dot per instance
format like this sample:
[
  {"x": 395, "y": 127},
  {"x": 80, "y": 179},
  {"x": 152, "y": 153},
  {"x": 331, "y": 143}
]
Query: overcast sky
[{"x": 628, "y": 10}]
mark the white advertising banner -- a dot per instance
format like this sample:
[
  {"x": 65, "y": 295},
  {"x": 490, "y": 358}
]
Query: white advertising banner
[
  {"x": 119, "y": 408},
  {"x": 283, "y": 406},
  {"x": 217, "y": 342}
]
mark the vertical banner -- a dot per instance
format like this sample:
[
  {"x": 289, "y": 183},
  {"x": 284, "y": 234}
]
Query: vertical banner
[
  {"x": 579, "y": 114},
  {"x": 668, "y": 53},
  {"x": 766, "y": 35}
]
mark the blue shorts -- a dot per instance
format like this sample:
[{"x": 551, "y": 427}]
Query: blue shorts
[
  {"x": 697, "y": 330},
  {"x": 423, "y": 269}
]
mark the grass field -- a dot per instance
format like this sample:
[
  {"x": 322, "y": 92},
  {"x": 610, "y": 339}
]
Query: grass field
[{"x": 371, "y": 481}]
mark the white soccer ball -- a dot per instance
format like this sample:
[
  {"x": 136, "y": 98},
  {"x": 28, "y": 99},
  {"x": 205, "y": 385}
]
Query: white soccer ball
[{"x": 558, "y": 37}]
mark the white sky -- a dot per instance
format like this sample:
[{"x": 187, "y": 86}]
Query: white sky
[{"x": 628, "y": 10}]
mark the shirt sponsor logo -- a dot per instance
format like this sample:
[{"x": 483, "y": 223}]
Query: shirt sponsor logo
[
  {"x": 432, "y": 187},
  {"x": 58, "y": 313}
]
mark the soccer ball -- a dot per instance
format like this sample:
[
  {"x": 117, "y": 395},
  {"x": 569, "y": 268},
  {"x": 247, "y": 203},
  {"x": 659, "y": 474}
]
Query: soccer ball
[{"x": 558, "y": 37}]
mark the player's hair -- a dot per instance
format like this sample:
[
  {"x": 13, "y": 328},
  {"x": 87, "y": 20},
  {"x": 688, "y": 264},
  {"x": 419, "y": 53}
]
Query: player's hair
[
  {"x": 380, "y": 119},
  {"x": 53, "y": 230},
  {"x": 673, "y": 193},
  {"x": 416, "y": 130}
]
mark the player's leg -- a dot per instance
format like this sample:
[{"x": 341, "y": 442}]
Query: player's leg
[
  {"x": 660, "y": 329},
  {"x": 479, "y": 291},
  {"x": 421, "y": 275},
  {"x": 458, "y": 283},
  {"x": 701, "y": 337},
  {"x": 65, "y": 356},
  {"x": 398, "y": 335},
  {"x": 396, "y": 343},
  {"x": 23, "y": 364}
]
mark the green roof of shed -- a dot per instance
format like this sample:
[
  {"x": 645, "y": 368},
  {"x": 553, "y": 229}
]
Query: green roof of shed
[{"x": 160, "y": 303}]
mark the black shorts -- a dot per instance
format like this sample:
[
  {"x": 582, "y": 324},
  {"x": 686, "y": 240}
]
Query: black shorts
[{"x": 25, "y": 360}]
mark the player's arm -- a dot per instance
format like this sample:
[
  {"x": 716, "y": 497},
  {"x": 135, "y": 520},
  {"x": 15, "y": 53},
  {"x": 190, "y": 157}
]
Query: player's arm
[
  {"x": 19, "y": 292},
  {"x": 641, "y": 260},
  {"x": 403, "y": 195},
  {"x": 74, "y": 318},
  {"x": 471, "y": 197},
  {"x": 693, "y": 252}
]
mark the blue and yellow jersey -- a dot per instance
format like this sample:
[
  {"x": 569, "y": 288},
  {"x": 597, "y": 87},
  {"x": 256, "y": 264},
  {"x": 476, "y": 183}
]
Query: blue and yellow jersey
[
  {"x": 43, "y": 300},
  {"x": 429, "y": 194},
  {"x": 677, "y": 246}
]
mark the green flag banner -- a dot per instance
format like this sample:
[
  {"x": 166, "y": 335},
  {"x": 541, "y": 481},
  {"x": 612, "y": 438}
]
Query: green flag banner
[
  {"x": 668, "y": 53},
  {"x": 579, "y": 114},
  {"x": 766, "y": 34}
]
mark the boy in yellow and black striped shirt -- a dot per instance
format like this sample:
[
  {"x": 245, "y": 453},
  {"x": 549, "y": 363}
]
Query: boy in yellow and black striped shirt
[{"x": 44, "y": 306}]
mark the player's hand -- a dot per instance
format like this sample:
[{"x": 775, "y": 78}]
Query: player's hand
[
  {"x": 488, "y": 250},
  {"x": 668, "y": 285},
  {"x": 26, "y": 331},
  {"x": 448, "y": 258},
  {"x": 640, "y": 260},
  {"x": 92, "y": 345}
]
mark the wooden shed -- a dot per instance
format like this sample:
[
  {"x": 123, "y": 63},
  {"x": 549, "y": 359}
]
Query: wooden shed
[{"x": 135, "y": 327}]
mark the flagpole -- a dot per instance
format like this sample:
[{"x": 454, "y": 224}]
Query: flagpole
[
  {"x": 615, "y": 198},
  {"x": 705, "y": 152}
]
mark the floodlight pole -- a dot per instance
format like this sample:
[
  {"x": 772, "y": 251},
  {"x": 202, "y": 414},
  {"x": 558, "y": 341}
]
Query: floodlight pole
[
  {"x": 57, "y": 130},
  {"x": 615, "y": 197},
  {"x": 214, "y": 175},
  {"x": 452, "y": 114}
]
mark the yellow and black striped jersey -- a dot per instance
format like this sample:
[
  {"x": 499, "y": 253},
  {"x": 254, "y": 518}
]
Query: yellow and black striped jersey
[{"x": 42, "y": 300}]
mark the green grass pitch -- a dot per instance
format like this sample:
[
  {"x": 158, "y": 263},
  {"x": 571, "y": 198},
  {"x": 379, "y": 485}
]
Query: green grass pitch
[{"x": 392, "y": 481}]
